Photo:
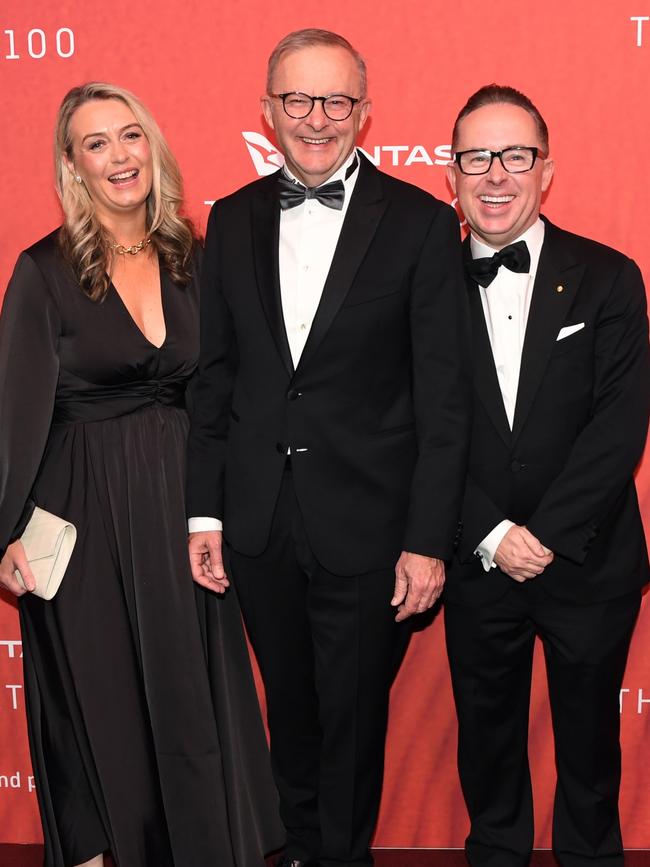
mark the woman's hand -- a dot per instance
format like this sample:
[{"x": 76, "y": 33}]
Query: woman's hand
[{"x": 13, "y": 559}]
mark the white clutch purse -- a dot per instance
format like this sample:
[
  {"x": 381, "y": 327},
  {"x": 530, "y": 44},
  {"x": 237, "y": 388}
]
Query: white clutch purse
[{"x": 48, "y": 542}]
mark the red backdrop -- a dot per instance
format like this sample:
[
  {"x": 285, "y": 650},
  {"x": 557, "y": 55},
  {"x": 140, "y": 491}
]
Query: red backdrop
[{"x": 200, "y": 67}]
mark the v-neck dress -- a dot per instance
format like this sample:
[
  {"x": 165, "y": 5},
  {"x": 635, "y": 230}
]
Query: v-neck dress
[{"x": 144, "y": 728}]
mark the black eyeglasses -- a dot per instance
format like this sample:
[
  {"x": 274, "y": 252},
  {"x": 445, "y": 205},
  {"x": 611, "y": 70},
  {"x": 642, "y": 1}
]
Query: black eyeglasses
[
  {"x": 514, "y": 160},
  {"x": 297, "y": 105}
]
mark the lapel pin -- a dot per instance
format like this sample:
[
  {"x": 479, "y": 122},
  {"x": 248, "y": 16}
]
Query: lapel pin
[{"x": 559, "y": 288}]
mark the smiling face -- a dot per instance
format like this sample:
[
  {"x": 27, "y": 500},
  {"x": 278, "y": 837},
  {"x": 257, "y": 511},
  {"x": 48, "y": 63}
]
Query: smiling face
[
  {"x": 500, "y": 207},
  {"x": 111, "y": 154},
  {"x": 315, "y": 147}
]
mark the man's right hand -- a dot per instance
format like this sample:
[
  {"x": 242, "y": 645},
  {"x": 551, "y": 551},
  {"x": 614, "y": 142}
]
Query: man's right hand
[
  {"x": 206, "y": 561},
  {"x": 15, "y": 558},
  {"x": 521, "y": 555}
]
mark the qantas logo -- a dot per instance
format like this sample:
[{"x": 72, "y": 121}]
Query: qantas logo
[
  {"x": 266, "y": 157},
  {"x": 408, "y": 155}
]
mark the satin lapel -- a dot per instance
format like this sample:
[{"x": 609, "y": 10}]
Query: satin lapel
[
  {"x": 265, "y": 218},
  {"x": 486, "y": 381},
  {"x": 361, "y": 221},
  {"x": 557, "y": 280}
]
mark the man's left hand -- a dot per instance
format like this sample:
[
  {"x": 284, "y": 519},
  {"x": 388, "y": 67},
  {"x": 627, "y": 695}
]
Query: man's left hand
[{"x": 418, "y": 583}]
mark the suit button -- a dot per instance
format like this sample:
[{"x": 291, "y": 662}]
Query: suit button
[
  {"x": 515, "y": 466},
  {"x": 281, "y": 448},
  {"x": 293, "y": 394}
]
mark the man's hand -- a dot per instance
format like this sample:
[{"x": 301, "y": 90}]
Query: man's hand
[
  {"x": 418, "y": 583},
  {"x": 521, "y": 555},
  {"x": 13, "y": 559},
  {"x": 206, "y": 561}
]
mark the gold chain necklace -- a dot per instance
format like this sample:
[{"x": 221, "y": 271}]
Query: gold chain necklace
[{"x": 134, "y": 249}]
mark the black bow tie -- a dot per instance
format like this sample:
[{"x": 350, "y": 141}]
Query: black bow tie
[
  {"x": 331, "y": 195},
  {"x": 515, "y": 257},
  {"x": 292, "y": 194}
]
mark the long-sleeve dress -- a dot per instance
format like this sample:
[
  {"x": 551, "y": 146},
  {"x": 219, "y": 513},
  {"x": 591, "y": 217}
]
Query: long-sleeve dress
[{"x": 144, "y": 728}]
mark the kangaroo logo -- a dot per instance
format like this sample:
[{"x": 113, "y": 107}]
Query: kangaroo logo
[{"x": 266, "y": 157}]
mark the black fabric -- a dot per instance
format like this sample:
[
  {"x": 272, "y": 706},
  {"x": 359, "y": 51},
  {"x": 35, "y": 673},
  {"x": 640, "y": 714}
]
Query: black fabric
[
  {"x": 514, "y": 257},
  {"x": 566, "y": 469},
  {"x": 328, "y": 647},
  {"x": 491, "y": 652},
  {"x": 376, "y": 417},
  {"x": 566, "y": 472},
  {"x": 376, "y": 412},
  {"x": 332, "y": 195},
  {"x": 292, "y": 193},
  {"x": 144, "y": 727}
]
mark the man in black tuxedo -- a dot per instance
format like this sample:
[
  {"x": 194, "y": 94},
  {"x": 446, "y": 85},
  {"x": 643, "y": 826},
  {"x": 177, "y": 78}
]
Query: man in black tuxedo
[
  {"x": 329, "y": 433},
  {"x": 551, "y": 542}
]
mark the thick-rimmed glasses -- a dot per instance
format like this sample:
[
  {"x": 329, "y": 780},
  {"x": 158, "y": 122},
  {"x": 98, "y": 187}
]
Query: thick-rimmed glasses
[
  {"x": 514, "y": 160},
  {"x": 337, "y": 106}
]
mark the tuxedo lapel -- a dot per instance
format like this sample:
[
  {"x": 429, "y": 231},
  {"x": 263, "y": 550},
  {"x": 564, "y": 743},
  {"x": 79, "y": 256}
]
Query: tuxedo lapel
[
  {"x": 558, "y": 278},
  {"x": 486, "y": 381},
  {"x": 265, "y": 217},
  {"x": 359, "y": 226}
]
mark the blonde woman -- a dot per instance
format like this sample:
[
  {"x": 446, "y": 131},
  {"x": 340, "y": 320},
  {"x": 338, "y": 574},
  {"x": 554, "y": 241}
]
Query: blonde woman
[{"x": 145, "y": 734}]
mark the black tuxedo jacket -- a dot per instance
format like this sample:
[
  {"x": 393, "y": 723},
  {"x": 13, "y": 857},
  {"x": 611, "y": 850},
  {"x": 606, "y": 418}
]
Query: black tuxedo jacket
[
  {"x": 377, "y": 413},
  {"x": 566, "y": 468}
]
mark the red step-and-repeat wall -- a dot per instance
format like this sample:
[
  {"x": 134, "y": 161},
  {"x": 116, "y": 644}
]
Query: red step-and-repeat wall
[{"x": 200, "y": 67}]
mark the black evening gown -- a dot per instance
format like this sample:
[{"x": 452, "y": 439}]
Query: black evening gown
[{"x": 145, "y": 733}]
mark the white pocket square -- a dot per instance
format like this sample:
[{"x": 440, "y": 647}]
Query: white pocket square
[{"x": 569, "y": 329}]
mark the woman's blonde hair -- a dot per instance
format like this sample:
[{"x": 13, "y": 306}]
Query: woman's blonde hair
[{"x": 85, "y": 242}]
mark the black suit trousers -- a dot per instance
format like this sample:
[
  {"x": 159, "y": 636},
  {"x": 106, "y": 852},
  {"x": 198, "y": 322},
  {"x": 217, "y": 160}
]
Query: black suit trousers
[
  {"x": 328, "y": 647},
  {"x": 491, "y": 651}
]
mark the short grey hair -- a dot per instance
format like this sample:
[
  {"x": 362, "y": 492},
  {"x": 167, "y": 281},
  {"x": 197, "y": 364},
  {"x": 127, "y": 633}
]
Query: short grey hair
[{"x": 308, "y": 38}]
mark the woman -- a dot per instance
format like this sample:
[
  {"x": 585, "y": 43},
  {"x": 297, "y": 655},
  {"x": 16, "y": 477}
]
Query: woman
[{"x": 139, "y": 748}]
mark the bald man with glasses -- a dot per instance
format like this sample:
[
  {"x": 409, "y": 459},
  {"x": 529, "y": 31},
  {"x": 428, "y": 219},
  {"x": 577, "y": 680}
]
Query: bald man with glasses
[{"x": 551, "y": 543}]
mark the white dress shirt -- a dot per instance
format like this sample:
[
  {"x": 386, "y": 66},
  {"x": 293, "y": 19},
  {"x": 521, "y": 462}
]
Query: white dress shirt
[
  {"x": 309, "y": 234},
  {"x": 506, "y": 302}
]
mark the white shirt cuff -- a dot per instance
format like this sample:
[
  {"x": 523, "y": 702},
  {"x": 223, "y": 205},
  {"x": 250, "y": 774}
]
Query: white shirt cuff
[
  {"x": 488, "y": 547},
  {"x": 202, "y": 525}
]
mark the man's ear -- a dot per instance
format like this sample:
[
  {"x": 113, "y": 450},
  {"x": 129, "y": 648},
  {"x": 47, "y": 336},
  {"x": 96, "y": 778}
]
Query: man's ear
[
  {"x": 451, "y": 176},
  {"x": 267, "y": 109},
  {"x": 364, "y": 111},
  {"x": 547, "y": 174}
]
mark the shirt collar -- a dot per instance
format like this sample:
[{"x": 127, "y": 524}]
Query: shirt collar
[
  {"x": 533, "y": 236},
  {"x": 339, "y": 174}
]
